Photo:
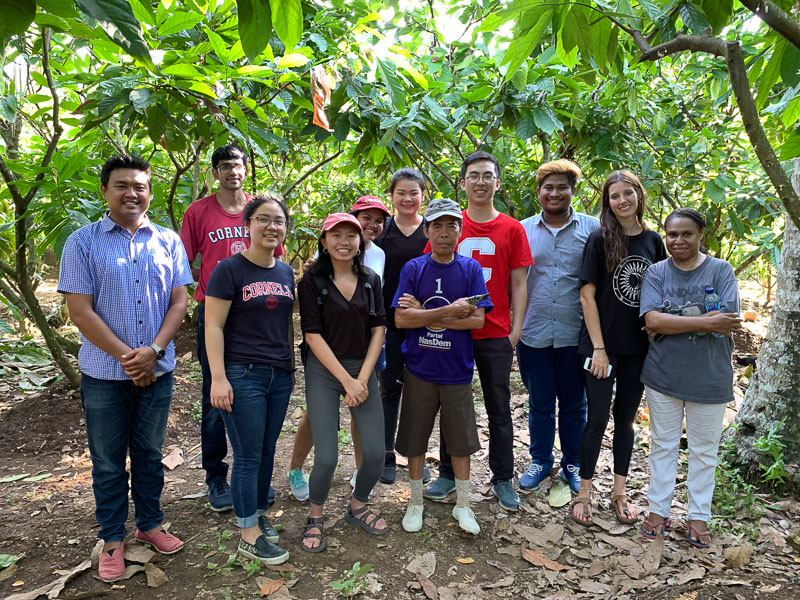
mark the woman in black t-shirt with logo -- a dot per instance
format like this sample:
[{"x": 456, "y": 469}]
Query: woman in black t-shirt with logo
[
  {"x": 613, "y": 345},
  {"x": 249, "y": 302}
]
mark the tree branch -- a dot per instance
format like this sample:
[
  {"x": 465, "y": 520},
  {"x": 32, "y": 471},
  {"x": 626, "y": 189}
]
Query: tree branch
[
  {"x": 777, "y": 18},
  {"x": 310, "y": 171},
  {"x": 681, "y": 42},
  {"x": 752, "y": 125},
  {"x": 432, "y": 162},
  {"x": 179, "y": 171}
]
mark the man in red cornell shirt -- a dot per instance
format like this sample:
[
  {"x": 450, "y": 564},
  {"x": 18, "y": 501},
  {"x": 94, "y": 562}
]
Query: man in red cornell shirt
[
  {"x": 500, "y": 245},
  {"x": 213, "y": 228}
]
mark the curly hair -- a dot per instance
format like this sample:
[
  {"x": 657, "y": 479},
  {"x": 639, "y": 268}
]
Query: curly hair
[{"x": 615, "y": 241}]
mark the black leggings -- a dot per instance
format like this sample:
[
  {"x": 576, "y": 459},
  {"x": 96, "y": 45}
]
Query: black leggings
[{"x": 626, "y": 370}]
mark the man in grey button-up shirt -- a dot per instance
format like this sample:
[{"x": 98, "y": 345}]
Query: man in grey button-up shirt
[{"x": 548, "y": 349}]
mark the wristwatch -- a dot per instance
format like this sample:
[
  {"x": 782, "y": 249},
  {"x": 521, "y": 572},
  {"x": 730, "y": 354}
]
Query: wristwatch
[{"x": 160, "y": 352}]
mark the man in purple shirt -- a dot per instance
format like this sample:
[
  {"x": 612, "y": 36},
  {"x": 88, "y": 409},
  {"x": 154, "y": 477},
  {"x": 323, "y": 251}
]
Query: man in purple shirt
[{"x": 125, "y": 280}]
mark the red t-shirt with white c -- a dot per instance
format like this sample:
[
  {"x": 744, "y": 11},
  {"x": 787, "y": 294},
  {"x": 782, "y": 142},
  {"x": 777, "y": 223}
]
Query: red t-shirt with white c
[
  {"x": 215, "y": 235},
  {"x": 499, "y": 245}
]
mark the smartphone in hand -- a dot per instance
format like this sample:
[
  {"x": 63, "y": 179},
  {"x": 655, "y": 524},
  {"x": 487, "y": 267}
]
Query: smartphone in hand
[{"x": 588, "y": 366}]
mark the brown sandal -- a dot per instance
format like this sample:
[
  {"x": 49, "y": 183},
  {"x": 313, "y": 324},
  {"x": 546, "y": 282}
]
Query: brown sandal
[
  {"x": 622, "y": 515},
  {"x": 586, "y": 502},
  {"x": 314, "y": 523}
]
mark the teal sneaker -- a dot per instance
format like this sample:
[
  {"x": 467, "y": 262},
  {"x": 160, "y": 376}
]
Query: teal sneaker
[
  {"x": 506, "y": 495},
  {"x": 439, "y": 489},
  {"x": 298, "y": 483}
]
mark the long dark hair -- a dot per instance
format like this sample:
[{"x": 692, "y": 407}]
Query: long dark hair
[
  {"x": 615, "y": 242},
  {"x": 324, "y": 267}
]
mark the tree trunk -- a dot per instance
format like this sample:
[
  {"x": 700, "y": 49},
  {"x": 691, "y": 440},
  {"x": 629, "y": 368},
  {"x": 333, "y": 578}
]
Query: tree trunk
[{"x": 774, "y": 391}]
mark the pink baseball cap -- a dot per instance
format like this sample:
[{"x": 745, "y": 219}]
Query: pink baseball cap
[
  {"x": 336, "y": 218},
  {"x": 367, "y": 202}
]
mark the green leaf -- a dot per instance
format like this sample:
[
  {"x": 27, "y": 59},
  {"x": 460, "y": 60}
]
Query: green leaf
[
  {"x": 526, "y": 127},
  {"x": 519, "y": 52},
  {"x": 394, "y": 86},
  {"x": 8, "y": 107},
  {"x": 476, "y": 94},
  {"x": 718, "y": 13},
  {"x": 287, "y": 20},
  {"x": 38, "y": 477},
  {"x": 770, "y": 74},
  {"x": 141, "y": 98},
  {"x": 117, "y": 20},
  {"x": 560, "y": 494},
  {"x": 219, "y": 46},
  {"x": 791, "y": 147},
  {"x": 545, "y": 120},
  {"x": 255, "y": 26},
  {"x": 6, "y": 560},
  {"x": 736, "y": 223},
  {"x": 4, "y": 326},
  {"x": 693, "y": 18},
  {"x": 65, "y": 10},
  {"x": 11, "y": 478},
  {"x": 790, "y": 64},
  {"x": 182, "y": 70},
  {"x": 791, "y": 113},
  {"x": 715, "y": 192},
  {"x": 294, "y": 59},
  {"x": 17, "y": 17},
  {"x": 179, "y": 22}
]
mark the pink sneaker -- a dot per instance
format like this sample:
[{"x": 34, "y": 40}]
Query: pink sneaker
[
  {"x": 164, "y": 542},
  {"x": 110, "y": 567}
]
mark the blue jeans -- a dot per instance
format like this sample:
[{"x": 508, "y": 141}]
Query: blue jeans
[
  {"x": 260, "y": 397},
  {"x": 213, "y": 445},
  {"x": 119, "y": 417},
  {"x": 550, "y": 373}
]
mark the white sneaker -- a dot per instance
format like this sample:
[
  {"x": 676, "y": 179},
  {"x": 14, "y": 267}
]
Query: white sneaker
[
  {"x": 412, "y": 522},
  {"x": 353, "y": 483},
  {"x": 466, "y": 519}
]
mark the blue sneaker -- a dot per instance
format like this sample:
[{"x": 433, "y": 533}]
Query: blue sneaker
[
  {"x": 506, "y": 495},
  {"x": 426, "y": 474},
  {"x": 219, "y": 496},
  {"x": 298, "y": 484},
  {"x": 572, "y": 475},
  {"x": 439, "y": 489},
  {"x": 271, "y": 496},
  {"x": 533, "y": 476}
]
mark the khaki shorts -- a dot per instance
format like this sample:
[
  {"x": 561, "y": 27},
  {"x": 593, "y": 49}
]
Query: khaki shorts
[{"x": 421, "y": 403}]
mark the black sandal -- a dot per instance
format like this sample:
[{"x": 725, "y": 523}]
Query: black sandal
[
  {"x": 360, "y": 516},
  {"x": 314, "y": 523}
]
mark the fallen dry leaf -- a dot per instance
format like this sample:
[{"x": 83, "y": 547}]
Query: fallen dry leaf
[
  {"x": 595, "y": 587},
  {"x": 282, "y": 593},
  {"x": 52, "y": 589},
  {"x": 684, "y": 578},
  {"x": 540, "y": 560},
  {"x": 651, "y": 560},
  {"x": 155, "y": 576},
  {"x": 446, "y": 593},
  {"x": 298, "y": 413},
  {"x": 138, "y": 554},
  {"x": 739, "y": 556},
  {"x": 428, "y": 587},
  {"x": 424, "y": 564},
  {"x": 597, "y": 567},
  {"x": 504, "y": 582},
  {"x": 465, "y": 561},
  {"x": 283, "y": 568},
  {"x": 268, "y": 586},
  {"x": 173, "y": 459},
  {"x": 8, "y": 572}
]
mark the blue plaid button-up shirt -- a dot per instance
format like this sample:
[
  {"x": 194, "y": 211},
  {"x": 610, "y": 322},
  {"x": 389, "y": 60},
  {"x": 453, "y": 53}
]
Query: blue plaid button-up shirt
[
  {"x": 131, "y": 277},
  {"x": 554, "y": 313}
]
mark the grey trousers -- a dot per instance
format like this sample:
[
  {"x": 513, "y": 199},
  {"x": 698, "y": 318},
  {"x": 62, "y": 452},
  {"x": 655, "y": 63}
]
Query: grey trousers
[{"x": 323, "y": 392}]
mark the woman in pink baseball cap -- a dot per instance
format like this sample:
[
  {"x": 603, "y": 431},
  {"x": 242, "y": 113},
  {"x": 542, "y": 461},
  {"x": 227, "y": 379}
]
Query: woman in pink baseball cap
[{"x": 343, "y": 328}]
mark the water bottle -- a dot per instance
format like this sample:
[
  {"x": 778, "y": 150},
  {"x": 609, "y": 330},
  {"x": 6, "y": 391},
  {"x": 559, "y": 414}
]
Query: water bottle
[{"x": 711, "y": 300}]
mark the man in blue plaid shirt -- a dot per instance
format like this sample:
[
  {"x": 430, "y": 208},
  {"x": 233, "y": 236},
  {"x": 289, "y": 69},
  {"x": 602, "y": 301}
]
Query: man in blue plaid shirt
[{"x": 125, "y": 280}]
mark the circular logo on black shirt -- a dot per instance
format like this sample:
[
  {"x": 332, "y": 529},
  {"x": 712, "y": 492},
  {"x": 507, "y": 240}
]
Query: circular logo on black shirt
[
  {"x": 238, "y": 246},
  {"x": 627, "y": 279},
  {"x": 271, "y": 302}
]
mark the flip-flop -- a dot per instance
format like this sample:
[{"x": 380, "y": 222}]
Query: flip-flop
[
  {"x": 359, "y": 517},
  {"x": 692, "y": 529},
  {"x": 311, "y": 523},
  {"x": 586, "y": 502},
  {"x": 622, "y": 514},
  {"x": 663, "y": 524}
]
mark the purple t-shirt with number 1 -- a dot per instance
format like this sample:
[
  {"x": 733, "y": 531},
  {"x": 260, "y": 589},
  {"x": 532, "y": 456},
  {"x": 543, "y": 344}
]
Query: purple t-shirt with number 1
[{"x": 432, "y": 354}]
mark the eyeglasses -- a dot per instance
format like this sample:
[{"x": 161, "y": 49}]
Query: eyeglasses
[
  {"x": 486, "y": 177},
  {"x": 228, "y": 167},
  {"x": 266, "y": 221}
]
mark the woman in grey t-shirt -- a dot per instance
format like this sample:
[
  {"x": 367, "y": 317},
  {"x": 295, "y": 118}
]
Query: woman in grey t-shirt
[{"x": 687, "y": 371}]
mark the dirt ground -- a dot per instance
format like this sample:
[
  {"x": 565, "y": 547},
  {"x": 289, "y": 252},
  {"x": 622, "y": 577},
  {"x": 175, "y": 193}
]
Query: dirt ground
[{"x": 536, "y": 553}]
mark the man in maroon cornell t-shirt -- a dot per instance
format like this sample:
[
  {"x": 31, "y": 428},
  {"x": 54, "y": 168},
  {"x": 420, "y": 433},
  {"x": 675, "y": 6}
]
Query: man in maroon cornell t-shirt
[{"x": 213, "y": 228}]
